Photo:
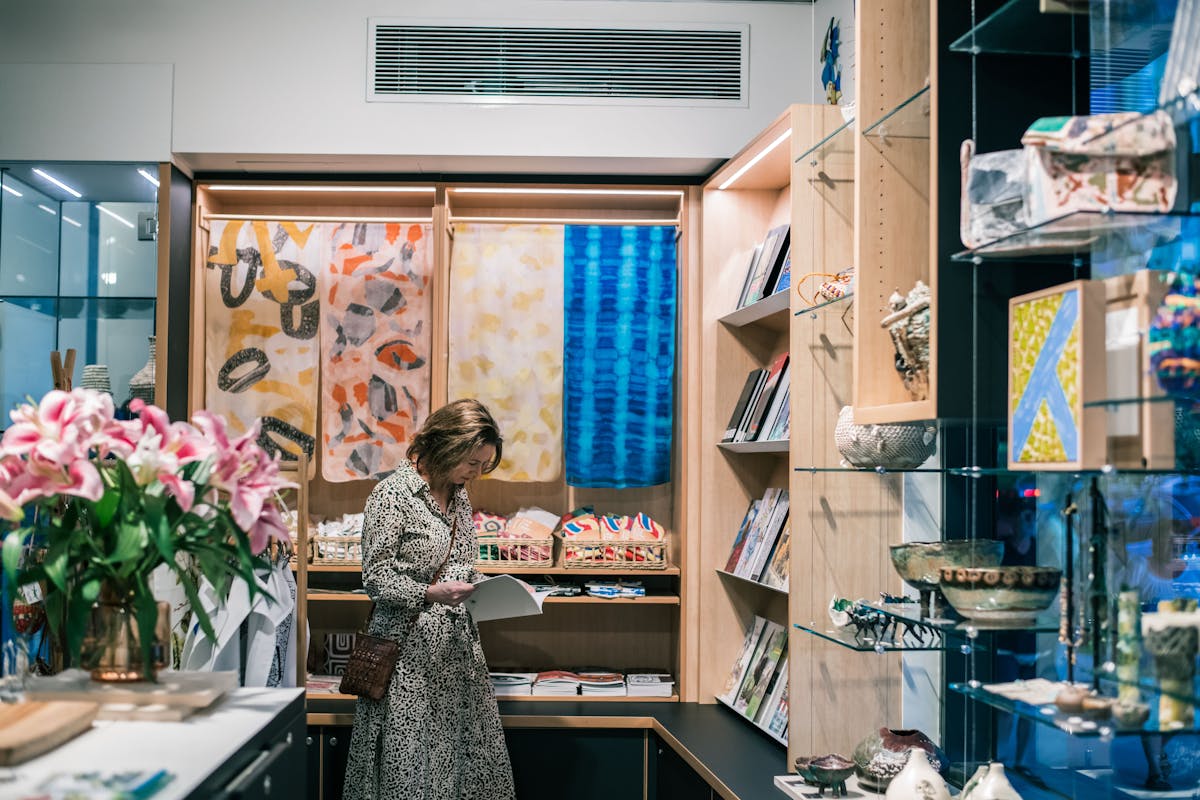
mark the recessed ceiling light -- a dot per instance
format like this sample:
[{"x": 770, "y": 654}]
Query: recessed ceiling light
[
  {"x": 148, "y": 177},
  {"x": 10, "y": 190},
  {"x": 240, "y": 187},
  {"x": 47, "y": 209},
  {"x": 73, "y": 222},
  {"x": 56, "y": 182},
  {"x": 116, "y": 216}
]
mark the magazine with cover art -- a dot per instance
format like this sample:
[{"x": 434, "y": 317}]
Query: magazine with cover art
[
  {"x": 766, "y": 672},
  {"x": 778, "y": 682},
  {"x": 761, "y": 665},
  {"x": 778, "y": 570},
  {"x": 734, "y": 682},
  {"x": 739, "y": 542}
]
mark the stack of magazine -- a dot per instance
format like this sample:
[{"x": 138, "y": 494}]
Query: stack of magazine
[
  {"x": 760, "y": 549},
  {"x": 761, "y": 411},
  {"x": 512, "y": 683},
  {"x": 649, "y": 683},
  {"x": 757, "y": 684},
  {"x": 770, "y": 267}
]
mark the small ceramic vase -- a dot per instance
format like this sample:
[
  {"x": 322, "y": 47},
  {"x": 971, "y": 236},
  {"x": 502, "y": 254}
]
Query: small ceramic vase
[
  {"x": 992, "y": 784},
  {"x": 918, "y": 780},
  {"x": 882, "y": 755},
  {"x": 142, "y": 384}
]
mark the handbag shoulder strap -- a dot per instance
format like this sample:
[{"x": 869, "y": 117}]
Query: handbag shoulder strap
[{"x": 437, "y": 576}]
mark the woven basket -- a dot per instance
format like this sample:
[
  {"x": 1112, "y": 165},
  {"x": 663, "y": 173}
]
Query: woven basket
[
  {"x": 581, "y": 553},
  {"x": 335, "y": 550},
  {"x": 517, "y": 552},
  {"x": 894, "y": 446}
]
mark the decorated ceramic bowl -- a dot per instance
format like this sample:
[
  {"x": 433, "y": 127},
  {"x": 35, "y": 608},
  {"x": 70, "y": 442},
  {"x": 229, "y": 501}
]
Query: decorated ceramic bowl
[
  {"x": 831, "y": 770},
  {"x": 1000, "y": 594},
  {"x": 920, "y": 563}
]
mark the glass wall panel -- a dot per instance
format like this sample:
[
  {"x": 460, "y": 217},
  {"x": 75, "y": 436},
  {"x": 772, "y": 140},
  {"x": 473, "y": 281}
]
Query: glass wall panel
[
  {"x": 111, "y": 332},
  {"x": 101, "y": 253},
  {"x": 27, "y": 335},
  {"x": 29, "y": 223}
]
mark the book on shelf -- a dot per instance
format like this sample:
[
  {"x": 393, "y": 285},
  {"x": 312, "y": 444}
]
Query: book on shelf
[
  {"x": 773, "y": 634},
  {"x": 512, "y": 683},
  {"x": 757, "y": 532},
  {"x": 755, "y": 255},
  {"x": 782, "y": 427},
  {"x": 764, "y": 267},
  {"x": 601, "y": 682},
  {"x": 785, "y": 273},
  {"x": 777, "y": 722},
  {"x": 753, "y": 382},
  {"x": 743, "y": 424},
  {"x": 778, "y": 570},
  {"x": 735, "y": 552},
  {"x": 775, "y": 525},
  {"x": 771, "y": 698},
  {"x": 556, "y": 682},
  {"x": 734, "y": 682},
  {"x": 782, "y": 392},
  {"x": 772, "y": 654},
  {"x": 782, "y": 248},
  {"x": 649, "y": 683},
  {"x": 765, "y": 397}
]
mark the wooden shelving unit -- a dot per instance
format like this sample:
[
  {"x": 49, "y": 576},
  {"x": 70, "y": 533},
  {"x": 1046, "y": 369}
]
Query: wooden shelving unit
[{"x": 574, "y": 631}]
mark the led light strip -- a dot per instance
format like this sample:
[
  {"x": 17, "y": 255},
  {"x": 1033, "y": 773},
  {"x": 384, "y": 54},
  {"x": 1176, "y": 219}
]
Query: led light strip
[
  {"x": 746, "y": 167},
  {"x": 239, "y": 187},
  {"x": 148, "y": 177},
  {"x": 116, "y": 216},
  {"x": 583, "y": 192},
  {"x": 57, "y": 182}
]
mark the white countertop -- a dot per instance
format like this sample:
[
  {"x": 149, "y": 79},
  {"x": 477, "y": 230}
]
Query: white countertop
[{"x": 191, "y": 749}]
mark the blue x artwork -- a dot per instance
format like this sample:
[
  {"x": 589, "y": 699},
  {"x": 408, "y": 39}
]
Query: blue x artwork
[{"x": 1044, "y": 385}]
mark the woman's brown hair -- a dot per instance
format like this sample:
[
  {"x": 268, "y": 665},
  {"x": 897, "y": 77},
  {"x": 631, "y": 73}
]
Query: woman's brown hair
[{"x": 450, "y": 435}]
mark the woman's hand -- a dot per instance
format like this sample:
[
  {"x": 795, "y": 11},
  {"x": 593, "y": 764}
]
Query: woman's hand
[{"x": 450, "y": 593}]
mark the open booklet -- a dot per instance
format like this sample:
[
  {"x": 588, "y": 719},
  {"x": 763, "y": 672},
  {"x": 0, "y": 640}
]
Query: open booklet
[{"x": 503, "y": 596}]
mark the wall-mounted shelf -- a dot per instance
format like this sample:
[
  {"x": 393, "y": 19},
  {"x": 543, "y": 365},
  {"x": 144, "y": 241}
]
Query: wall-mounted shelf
[
  {"x": 776, "y": 737},
  {"x": 771, "y": 311},
  {"x": 768, "y": 446},
  {"x": 1073, "y": 236},
  {"x": 951, "y": 623},
  {"x": 1020, "y": 28},
  {"x": 840, "y": 142},
  {"x": 852, "y": 640},
  {"x": 1073, "y": 724},
  {"x": 909, "y": 120},
  {"x": 759, "y": 584},
  {"x": 842, "y": 304},
  {"x": 507, "y": 569}
]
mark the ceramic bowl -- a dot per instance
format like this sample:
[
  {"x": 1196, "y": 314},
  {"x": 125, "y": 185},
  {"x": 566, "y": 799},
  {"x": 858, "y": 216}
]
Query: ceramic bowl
[
  {"x": 1000, "y": 594},
  {"x": 921, "y": 563},
  {"x": 831, "y": 769}
]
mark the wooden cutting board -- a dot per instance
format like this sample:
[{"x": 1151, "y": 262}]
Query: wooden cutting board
[
  {"x": 32, "y": 728},
  {"x": 193, "y": 689}
]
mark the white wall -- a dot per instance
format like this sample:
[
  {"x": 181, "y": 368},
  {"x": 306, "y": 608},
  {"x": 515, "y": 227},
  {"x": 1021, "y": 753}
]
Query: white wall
[{"x": 288, "y": 77}]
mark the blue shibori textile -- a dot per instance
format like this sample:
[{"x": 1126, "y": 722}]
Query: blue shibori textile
[{"x": 619, "y": 354}]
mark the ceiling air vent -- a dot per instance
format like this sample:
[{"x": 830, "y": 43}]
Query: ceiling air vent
[{"x": 704, "y": 65}]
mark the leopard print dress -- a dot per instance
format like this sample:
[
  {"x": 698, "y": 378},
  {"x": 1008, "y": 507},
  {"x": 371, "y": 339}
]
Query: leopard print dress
[{"x": 437, "y": 734}]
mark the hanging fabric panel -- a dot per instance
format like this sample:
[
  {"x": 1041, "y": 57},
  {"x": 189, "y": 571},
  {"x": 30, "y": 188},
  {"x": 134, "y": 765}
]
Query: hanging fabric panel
[
  {"x": 506, "y": 339},
  {"x": 375, "y": 342},
  {"x": 619, "y": 357},
  {"x": 261, "y": 313}
]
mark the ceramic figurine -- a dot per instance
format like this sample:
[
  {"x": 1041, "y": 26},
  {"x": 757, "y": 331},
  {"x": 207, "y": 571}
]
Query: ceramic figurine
[
  {"x": 918, "y": 780},
  {"x": 882, "y": 755},
  {"x": 989, "y": 783}
]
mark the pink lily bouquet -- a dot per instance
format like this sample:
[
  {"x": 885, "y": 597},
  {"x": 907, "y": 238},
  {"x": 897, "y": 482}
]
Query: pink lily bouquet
[{"x": 115, "y": 499}]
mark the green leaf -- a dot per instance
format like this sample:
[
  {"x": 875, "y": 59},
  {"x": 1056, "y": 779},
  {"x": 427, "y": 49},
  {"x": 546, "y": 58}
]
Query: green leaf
[
  {"x": 131, "y": 541},
  {"x": 193, "y": 596},
  {"x": 146, "y": 609},
  {"x": 79, "y": 614},
  {"x": 90, "y": 590},
  {"x": 106, "y": 508},
  {"x": 56, "y": 561},
  {"x": 14, "y": 546}
]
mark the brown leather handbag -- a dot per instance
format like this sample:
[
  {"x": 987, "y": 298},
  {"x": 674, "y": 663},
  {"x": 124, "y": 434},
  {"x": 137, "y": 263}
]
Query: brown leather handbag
[{"x": 373, "y": 659}]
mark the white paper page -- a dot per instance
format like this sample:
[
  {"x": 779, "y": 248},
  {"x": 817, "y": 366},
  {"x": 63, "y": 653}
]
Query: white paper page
[{"x": 503, "y": 596}]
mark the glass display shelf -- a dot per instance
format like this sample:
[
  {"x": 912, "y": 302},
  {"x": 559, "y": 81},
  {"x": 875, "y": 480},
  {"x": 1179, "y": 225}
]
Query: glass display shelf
[
  {"x": 1148, "y": 684},
  {"x": 864, "y": 643},
  {"x": 841, "y": 141},
  {"x": 1074, "y": 724},
  {"x": 950, "y": 622},
  {"x": 843, "y": 303},
  {"x": 1073, "y": 236},
  {"x": 759, "y": 584},
  {"x": 1182, "y": 110},
  {"x": 909, "y": 120},
  {"x": 772, "y": 308},
  {"x": 1020, "y": 28},
  {"x": 766, "y": 446},
  {"x": 984, "y": 472},
  {"x": 776, "y": 737}
]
